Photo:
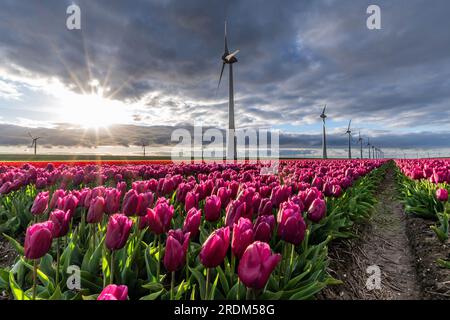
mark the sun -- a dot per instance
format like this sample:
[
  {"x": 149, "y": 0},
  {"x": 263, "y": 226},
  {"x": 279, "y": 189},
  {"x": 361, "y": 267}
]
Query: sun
[{"x": 91, "y": 110}]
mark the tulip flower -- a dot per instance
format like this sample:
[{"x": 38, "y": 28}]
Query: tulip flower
[
  {"x": 160, "y": 217},
  {"x": 130, "y": 203},
  {"x": 263, "y": 228},
  {"x": 69, "y": 204},
  {"x": 38, "y": 239},
  {"x": 60, "y": 223},
  {"x": 317, "y": 210},
  {"x": 117, "y": 231},
  {"x": 337, "y": 191},
  {"x": 242, "y": 236},
  {"x": 212, "y": 209},
  {"x": 235, "y": 210},
  {"x": 265, "y": 207},
  {"x": 114, "y": 292},
  {"x": 112, "y": 201},
  {"x": 176, "y": 248},
  {"x": 215, "y": 248},
  {"x": 225, "y": 195},
  {"x": 40, "y": 203},
  {"x": 145, "y": 200},
  {"x": 442, "y": 195},
  {"x": 5, "y": 188},
  {"x": 58, "y": 194},
  {"x": 257, "y": 264},
  {"x": 191, "y": 201},
  {"x": 192, "y": 222},
  {"x": 291, "y": 226},
  {"x": 96, "y": 209}
]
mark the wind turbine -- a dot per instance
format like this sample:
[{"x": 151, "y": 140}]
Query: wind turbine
[
  {"x": 349, "y": 132},
  {"x": 360, "y": 139},
  {"x": 368, "y": 144},
  {"x": 373, "y": 152},
  {"x": 324, "y": 135},
  {"x": 143, "y": 144},
  {"x": 228, "y": 59},
  {"x": 33, "y": 142}
]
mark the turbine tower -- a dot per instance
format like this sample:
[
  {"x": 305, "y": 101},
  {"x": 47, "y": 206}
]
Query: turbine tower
[
  {"x": 349, "y": 132},
  {"x": 360, "y": 139},
  {"x": 373, "y": 152},
  {"x": 324, "y": 135},
  {"x": 33, "y": 142},
  {"x": 143, "y": 144},
  {"x": 368, "y": 144},
  {"x": 228, "y": 59}
]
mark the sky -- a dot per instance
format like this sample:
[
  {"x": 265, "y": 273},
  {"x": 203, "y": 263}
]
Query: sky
[{"x": 140, "y": 69}]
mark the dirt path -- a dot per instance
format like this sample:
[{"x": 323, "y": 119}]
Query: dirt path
[{"x": 383, "y": 243}]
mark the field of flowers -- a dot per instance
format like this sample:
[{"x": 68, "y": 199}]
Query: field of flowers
[
  {"x": 424, "y": 185},
  {"x": 153, "y": 230}
]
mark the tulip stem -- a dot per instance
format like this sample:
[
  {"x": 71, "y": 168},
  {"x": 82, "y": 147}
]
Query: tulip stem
[
  {"x": 111, "y": 268},
  {"x": 172, "y": 285},
  {"x": 238, "y": 288},
  {"x": 250, "y": 294},
  {"x": 233, "y": 263},
  {"x": 208, "y": 275},
  {"x": 57, "y": 260},
  {"x": 187, "y": 264},
  {"x": 158, "y": 269},
  {"x": 35, "y": 263}
]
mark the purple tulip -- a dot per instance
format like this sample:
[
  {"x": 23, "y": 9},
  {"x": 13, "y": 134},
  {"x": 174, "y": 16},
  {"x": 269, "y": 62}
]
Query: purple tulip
[
  {"x": 61, "y": 223},
  {"x": 235, "y": 210},
  {"x": 96, "y": 209},
  {"x": 215, "y": 248},
  {"x": 56, "y": 196},
  {"x": 442, "y": 195},
  {"x": 291, "y": 226},
  {"x": 117, "y": 231},
  {"x": 213, "y": 207},
  {"x": 177, "y": 244},
  {"x": 242, "y": 236},
  {"x": 191, "y": 201},
  {"x": 114, "y": 292},
  {"x": 263, "y": 228},
  {"x": 160, "y": 217},
  {"x": 192, "y": 222},
  {"x": 257, "y": 264},
  {"x": 112, "y": 201},
  {"x": 38, "y": 240},
  {"x": 130, "y": 203},
  {"x": 40, "y": 203},
  {"x": 317, "y": 210},
  {"x": 145, "y": 201}
]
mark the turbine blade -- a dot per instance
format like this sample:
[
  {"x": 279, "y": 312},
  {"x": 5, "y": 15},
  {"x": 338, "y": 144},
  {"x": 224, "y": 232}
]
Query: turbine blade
[
  {"x": 221, "y": 73},
  {"x": 30, "y": 135},
  {"x": 228, "y": 57},
  {"x": 226, "y": 44},
  {"x": 324, "y": 108},
  {"x": 349, "y": 123}
]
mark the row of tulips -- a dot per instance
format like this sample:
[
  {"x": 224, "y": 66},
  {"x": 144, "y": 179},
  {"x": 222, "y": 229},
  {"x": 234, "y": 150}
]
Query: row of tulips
[
  {"x": 424, "y": 185},
  {"x": 184, "y": 231}
]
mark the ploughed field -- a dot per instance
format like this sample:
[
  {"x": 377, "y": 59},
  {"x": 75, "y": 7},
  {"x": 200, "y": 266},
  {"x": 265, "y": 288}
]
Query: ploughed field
[{"x": 159, "y": 230}]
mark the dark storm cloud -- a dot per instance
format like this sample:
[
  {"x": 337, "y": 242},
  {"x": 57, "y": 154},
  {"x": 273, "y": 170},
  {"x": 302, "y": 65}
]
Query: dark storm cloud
[{"x": 295, "y": 55}]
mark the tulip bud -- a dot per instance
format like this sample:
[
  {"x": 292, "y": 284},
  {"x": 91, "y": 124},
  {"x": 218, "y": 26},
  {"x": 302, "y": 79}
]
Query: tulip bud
[
  {"x": 242, "y": 236},
  {"x": 235, "y": 210},
  {"x": 265, "y": 207},
  {"x": 176, "y": 248},
  {"x": 160, "y": 217},
  {"x": 263, "y": 228},
  {"x": 192, "y": 222},
  {"x": 117, "y": 231},
  {"x": 225, "y": 195},
  {"x": 38, "y": 240},
  {"x": 442, "y": 195},
  {"x": 317, "y": 210},
  {"x": 145, "y": 200},
  {"x": 291, "y": 226},
  {"x": 130, "y": 202},
  {"x": 96, "y": 209},
  {"x": 61, "y": 222},
  {"x": 191, "y": 201},
  {"x": 337, "y": 191},
  {"x": 215, "y": 248},
  {"x": 40, "y": 203},
  {"x": 58, "y": 194},
  {"x": 112, "y": 201},
  {"x": 114, "y": 292},
  {"x": 69, "y": 204},
  {"x": 213, "y": 207},
  {"x": 257, "y": 264}
]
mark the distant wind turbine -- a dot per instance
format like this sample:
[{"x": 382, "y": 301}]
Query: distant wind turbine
[
  {"x": 34, "y": 142},
  {"x": 360, "y": 139},
  {"x": 368, "y": 144},
  {"x": 143, "y": 144},
  {"x": 229, "y": 58},
  {"x": 324, "y": 135},
  {"x": 349, "y": 132}
]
